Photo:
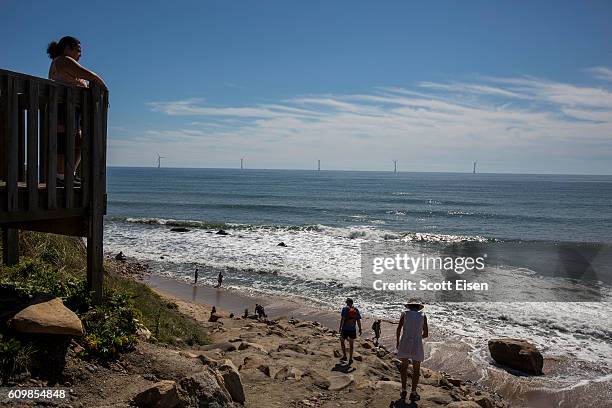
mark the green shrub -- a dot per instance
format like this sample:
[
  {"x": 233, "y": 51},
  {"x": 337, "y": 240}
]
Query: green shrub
[
  {"x": 14, "y": 357},
  {"x": 33, "y": 277},
  {"x": 111, "y": 328},
  {"x": 56, "y": 265},
  {"x": 163, "y": 318}
]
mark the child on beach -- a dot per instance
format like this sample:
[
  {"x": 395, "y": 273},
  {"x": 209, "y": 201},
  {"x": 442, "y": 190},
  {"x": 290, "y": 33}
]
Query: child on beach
[
  {"x": 413, "y": 329},
  {"x": 376, "y": 329},
  {"x": 350, "y": 317},
  {"x": 261, "y": 313}
]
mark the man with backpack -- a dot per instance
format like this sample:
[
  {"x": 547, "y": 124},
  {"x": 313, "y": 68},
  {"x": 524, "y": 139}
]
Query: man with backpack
[{"x": 349, "y": 321}]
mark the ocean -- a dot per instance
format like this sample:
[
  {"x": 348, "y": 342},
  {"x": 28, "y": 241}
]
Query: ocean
[{"x": 544, "y": 234}]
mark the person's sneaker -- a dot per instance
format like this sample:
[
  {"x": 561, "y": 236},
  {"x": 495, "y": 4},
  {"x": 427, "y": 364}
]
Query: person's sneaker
[
  {"x": 403, "y": 394},
  {"x": 414, "y": 396}
]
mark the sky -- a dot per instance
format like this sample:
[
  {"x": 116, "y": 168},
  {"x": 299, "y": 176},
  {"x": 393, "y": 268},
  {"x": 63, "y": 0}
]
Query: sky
[{"x": 519, "y": 86}]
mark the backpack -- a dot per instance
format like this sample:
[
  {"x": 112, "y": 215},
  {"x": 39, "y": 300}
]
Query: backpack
[{"x": 351, "y": 315}]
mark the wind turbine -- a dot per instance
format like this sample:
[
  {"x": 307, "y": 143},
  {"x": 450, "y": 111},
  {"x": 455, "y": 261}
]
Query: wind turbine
[
  {"x": 395, "y": 166},
  {"x": 159, "y": 160},
  {"x": 474, "y": 171}
]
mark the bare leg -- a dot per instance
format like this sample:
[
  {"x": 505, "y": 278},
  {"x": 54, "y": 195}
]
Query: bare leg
[
  {"x": 351, "y": 342},
  {"x": 343, "y": 347},
  {"x": 404, "y": 373},
  {"x": 416, "y": 372}
]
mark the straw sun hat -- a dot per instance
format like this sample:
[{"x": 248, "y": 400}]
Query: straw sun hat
[{"x": 416, "y": 303}]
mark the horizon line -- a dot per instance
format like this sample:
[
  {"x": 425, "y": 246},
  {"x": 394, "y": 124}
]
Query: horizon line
[{"x": 363, "y": 171}]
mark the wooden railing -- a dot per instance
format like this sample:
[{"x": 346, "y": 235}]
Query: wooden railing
[{"x": 31, "y": 196}]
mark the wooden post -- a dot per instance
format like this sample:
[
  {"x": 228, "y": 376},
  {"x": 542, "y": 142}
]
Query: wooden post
[
  {"x": 51, "y": 152},
  {"x": 32, "y": 145},
  {"x": 10, "y": 237},
  {"x": 69, "y": 153},
  {"x": 97, "y": 154},
  {"x": 21, "y": 113},
  {"x": 85, "y": 148},
  {"x": 11, "y": 115}
]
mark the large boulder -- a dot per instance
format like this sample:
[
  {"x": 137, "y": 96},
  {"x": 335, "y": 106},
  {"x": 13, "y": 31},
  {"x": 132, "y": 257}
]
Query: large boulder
[
  {"x": 340, "y": 381},
  {"x": 50, "y": 317},
  {"x": 163, "y": 394},
  {"x": 517, "y": 354},
  {"x": 232, "y": 380},
  {"x": 463, "y": 404},
  {"x": 223, "y": 346},
  {"x": 293, "y": 347},
  {"x": 205, "y": 388}
]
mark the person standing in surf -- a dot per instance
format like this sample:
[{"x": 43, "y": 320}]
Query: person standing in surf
[
  {"x": 219, "y": 280},
  {"x": 350, "y": 318},
  {"x": 412, "y": 328}
]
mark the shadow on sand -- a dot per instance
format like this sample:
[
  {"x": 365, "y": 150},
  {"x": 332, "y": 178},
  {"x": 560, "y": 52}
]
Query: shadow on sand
[
  {"x": 343, "y": 368},
  {"x": 401, "y": 403}
]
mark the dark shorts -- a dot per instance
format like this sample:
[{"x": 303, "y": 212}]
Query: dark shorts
[{"x": 349, "y": 333}]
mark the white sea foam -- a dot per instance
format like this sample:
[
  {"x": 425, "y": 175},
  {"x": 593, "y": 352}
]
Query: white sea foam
[{"x": 321, "y": 258}]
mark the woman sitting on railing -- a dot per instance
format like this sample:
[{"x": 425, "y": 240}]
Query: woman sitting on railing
[{"x": 65, "y": 68}]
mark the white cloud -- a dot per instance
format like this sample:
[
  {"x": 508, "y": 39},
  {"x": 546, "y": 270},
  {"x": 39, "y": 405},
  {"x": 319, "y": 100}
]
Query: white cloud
[
  {"x": 504, "y": 120},
  {"x": 601, "y": 73}
]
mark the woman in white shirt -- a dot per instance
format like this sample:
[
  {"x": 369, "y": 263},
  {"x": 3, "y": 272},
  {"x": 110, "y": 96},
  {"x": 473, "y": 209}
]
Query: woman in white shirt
[{"x": 411, "y": 331}]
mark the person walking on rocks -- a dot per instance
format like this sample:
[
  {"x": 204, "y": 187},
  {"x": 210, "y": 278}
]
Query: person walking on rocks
[
  {"x": 413, "y": 329},
  {"x": 376, "y": 329},
  {"x": 350, "y": 318}
]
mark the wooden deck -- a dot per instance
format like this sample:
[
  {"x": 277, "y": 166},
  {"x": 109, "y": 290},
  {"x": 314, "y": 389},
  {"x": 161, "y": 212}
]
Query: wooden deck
[{"x": 31, "y": 109}]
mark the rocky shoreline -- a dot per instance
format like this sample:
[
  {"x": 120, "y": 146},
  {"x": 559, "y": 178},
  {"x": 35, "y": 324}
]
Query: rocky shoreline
[{"x": 283, "y": 363}]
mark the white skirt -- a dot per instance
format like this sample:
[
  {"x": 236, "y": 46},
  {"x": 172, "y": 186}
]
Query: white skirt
[{"x": 411, "y": 347}]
